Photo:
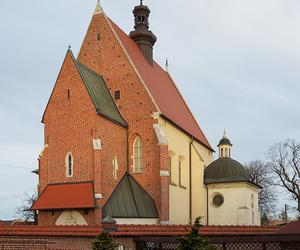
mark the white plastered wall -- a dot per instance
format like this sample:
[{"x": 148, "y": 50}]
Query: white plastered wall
[
  {"x": 237, "y": 207},
  {"x": 179, "y": 144},
  {"x": 68, "y": 218}
]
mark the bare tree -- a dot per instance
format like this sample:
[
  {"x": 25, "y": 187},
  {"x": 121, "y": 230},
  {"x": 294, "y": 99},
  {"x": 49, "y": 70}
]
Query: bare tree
[
  {"x": 284, "y": 159},
  {"x": 25, "y": 211},
  {"x": 261, "y": 174}
]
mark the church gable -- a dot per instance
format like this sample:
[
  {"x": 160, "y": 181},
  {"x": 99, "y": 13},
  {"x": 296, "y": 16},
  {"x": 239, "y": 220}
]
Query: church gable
[
  {"x": 96, "y": 88},
  {"x": 67, "y": 90}
]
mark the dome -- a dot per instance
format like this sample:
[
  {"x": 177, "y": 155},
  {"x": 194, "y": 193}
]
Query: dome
[
  {"x": 225, "y": 170},
  {"x": 225, "y": 141}
]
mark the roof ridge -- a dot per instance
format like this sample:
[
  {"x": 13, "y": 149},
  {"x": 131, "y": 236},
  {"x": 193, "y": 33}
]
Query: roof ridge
[
  {"x": 176, "y": 86},
  {"x": 189, "y": 125}
]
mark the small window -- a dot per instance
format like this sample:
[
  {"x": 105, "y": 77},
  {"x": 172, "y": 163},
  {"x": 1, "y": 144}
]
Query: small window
[
  {"x": 170, "y": 167},
  {"x": 180, "y": 170},
  {"x": 69, "y": 165},
  {"x": 69, "y": 94},
  {"x": 117, "y": 94},
  {"x": 218, "y": 200},
  {"x": 115, "y": 167},
  {"x": 98, "y": 37},
  {"x": 138, "y": 156}
]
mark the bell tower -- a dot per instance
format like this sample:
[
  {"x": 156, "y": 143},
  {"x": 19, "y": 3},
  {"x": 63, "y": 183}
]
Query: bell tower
[
  {"x": 142, "y": 36},
  {"x": 225, "y": 147}
]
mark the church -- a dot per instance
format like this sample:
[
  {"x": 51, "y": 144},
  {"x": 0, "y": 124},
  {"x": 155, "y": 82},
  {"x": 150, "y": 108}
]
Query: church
[{"x": 121, "y": 144}]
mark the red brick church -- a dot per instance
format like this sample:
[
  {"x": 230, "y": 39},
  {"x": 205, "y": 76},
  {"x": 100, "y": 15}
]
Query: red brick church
[{"x": 120, "y": 141}]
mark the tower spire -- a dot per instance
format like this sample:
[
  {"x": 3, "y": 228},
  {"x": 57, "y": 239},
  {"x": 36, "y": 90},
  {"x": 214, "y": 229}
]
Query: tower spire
[{"x": 141, "y": 34}]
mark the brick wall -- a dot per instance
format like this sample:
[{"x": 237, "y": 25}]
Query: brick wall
[
  {"x": 56, "y": 243},
  {"x": 70, "y": 126},
  {"x": 107, "y": 57}
]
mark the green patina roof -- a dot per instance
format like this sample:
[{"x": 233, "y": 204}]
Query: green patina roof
[
  {"x": 225, "y": 170},
  {"x": 100, "y": 94},
  {"x": 224, "y": 141},
  {"x": 130, "y": 200}
]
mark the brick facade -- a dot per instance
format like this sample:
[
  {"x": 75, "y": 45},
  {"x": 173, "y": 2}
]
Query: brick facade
[{"x": 71, "y": 124}]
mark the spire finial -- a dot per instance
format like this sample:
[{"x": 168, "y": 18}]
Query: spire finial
[
  {"x": 224, "y": 134},
  {"x": 98, "y": 9},
  {"x": 167, "y": 65},
  {"x": 141, "y": 2}
]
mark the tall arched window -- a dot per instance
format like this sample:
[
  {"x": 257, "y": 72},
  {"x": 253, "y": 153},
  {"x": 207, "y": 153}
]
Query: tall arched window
[
  {"x": 115, "y": 167},
  {"x": 69, "y": 164},
  {"x": 138, "y": 156}
]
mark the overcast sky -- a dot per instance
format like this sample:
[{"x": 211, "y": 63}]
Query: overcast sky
[{"x": 235, "y": 62}]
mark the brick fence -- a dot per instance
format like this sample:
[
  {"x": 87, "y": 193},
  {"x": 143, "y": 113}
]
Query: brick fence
[{"x": 148, "y": 237}]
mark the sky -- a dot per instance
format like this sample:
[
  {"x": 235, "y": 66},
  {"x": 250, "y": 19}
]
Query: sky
[{"x": 235, "y": 62}]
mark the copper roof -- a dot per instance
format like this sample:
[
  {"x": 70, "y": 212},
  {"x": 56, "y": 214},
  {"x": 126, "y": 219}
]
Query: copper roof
[
  {"x": 67, "y": 195},
  {"x": 163, "y": 90},
  {"x": 130, "y": 200}
]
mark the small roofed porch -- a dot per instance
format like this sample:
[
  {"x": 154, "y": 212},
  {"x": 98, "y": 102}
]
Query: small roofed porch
[{"x": 66, "y": 204}]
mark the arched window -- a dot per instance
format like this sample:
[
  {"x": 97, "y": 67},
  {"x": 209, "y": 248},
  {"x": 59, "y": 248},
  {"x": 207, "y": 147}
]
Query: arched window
[
  {"x": 222, "y": 152},
  {"x": 69, "y": 164},
  {"x": 121, "y": 247},
  {"x": 138, "y": 156},
  {"x": 115, "y": 167}
]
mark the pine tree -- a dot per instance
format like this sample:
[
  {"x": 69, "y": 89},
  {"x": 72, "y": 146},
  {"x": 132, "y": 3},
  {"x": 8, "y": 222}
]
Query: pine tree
[
  {"x": 103, "y": 242},
  {"x": 193, "y": 241}
]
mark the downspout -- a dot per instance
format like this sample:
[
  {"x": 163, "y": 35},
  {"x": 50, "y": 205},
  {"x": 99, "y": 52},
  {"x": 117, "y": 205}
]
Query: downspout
[
  {"x": 207, "y": 208},
  {"x": 190, "y": 193},
  {"x": 127, "y": 150}
]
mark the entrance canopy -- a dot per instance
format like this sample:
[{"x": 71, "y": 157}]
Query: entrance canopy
[{"x": 66, "y": 196}]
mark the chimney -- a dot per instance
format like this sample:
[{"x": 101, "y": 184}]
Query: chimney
[{"x": 142, "y": 36}]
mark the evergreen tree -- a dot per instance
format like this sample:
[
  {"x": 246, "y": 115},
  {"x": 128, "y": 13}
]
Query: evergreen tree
[
  {"x": 103, "y": 242},
  {"x": 193, "y": 241}
]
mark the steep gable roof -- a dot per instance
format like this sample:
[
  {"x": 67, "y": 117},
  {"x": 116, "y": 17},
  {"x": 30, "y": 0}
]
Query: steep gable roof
[
  {"x": 130, "y": 200},
  {"x": 99, "y": 93},
  {"x": 162, "y": 88}
]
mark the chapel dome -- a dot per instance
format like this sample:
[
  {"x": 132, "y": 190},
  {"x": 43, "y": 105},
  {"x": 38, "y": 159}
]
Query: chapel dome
[
  {"x": 225, "y": 141},
  {"x": 225, "y": 170}
]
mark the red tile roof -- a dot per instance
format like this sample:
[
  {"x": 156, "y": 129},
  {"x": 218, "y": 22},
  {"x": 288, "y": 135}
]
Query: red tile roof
[
  {"x": 177, "y": 230},
  {"x": 163, "y": 90},
  {"x": 291, "y": 228},
  {"x": 75, "y": 231},
  {"x": 134, "y": 231},
  {"x": 68, "y": 195}
]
